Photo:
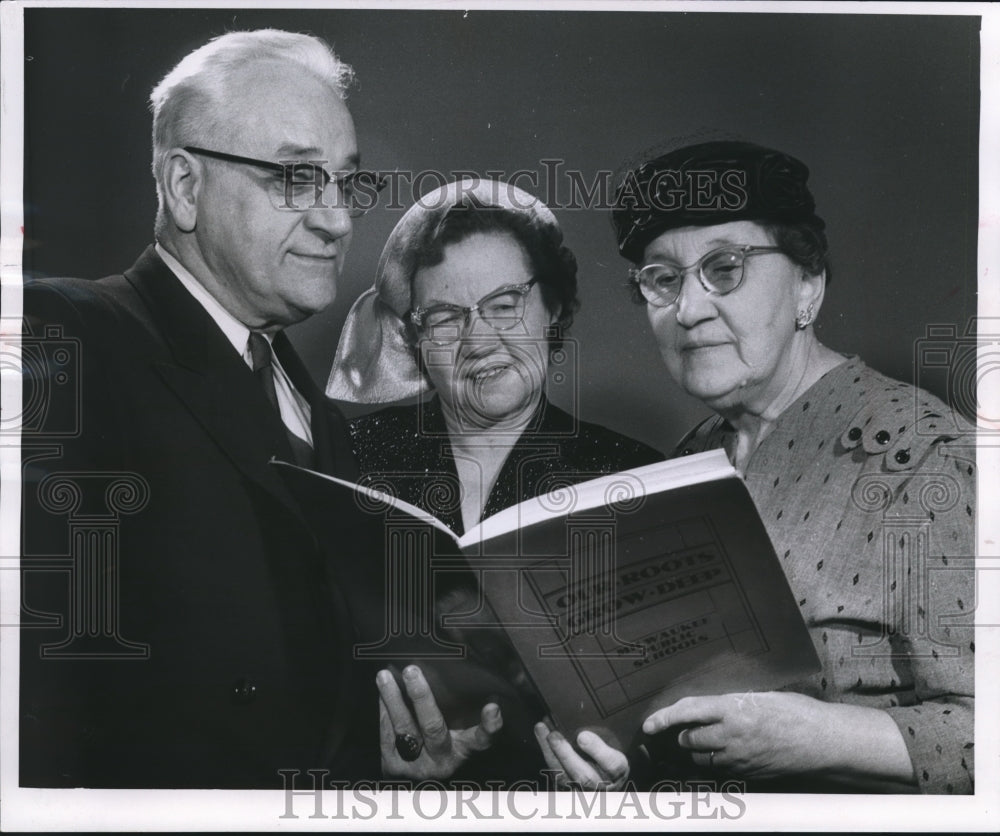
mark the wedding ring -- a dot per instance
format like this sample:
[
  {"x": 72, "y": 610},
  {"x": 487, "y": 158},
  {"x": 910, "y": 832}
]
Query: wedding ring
[{"x": 408, "y": 746}]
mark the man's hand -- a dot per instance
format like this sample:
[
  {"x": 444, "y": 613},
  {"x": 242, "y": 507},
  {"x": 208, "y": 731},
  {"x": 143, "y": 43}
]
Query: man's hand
[
  {"x": 604, "y": 767},
  {"x": 436, "y": 751}
]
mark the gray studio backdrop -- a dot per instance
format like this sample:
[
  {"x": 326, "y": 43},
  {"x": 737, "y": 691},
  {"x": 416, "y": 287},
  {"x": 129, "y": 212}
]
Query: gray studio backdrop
[{"x": 883, "y": 109}]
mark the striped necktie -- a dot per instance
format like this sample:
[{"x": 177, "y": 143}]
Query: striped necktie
[{"x": 263, "y": 370}]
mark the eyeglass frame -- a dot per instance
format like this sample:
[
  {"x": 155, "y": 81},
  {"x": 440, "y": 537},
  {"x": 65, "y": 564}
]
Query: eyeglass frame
[
  {"x": 343, "y": 182},
  {"x": 746, "y": 250},
  {"x": 416, "y": 316}
]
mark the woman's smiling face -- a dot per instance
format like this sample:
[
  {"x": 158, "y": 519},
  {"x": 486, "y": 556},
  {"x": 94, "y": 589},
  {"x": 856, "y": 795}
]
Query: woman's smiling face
[{"x": 487, "y": 377}]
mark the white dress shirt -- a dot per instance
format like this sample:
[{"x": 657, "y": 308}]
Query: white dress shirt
[{"x": 295, "y": 411}]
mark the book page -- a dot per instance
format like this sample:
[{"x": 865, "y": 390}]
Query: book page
[
  {"x": 379, "y": 496},
  {"x": 628, "y": 485}
]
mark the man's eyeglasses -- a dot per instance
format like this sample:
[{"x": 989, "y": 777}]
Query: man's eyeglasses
[
  {"x": 502, "y": 310},
  {"x": 303, "y": 184},
  {"x": 719, "y": 271}
]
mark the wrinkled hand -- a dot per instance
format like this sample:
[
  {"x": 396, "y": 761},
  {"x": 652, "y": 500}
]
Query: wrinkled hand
[
  {"x": 604, "y": 767},
  {"x": 753, "y": 735},
  {"x": 443, "y": 751}
]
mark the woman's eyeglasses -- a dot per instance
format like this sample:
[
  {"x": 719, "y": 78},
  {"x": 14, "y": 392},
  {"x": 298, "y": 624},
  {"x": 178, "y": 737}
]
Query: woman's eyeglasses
[
  {"x": 719, "y": 271},
  {"x": 502, "y": 310}
]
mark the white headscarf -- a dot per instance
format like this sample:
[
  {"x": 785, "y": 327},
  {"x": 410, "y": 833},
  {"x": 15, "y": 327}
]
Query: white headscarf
[{"x": 375, "y": 362}]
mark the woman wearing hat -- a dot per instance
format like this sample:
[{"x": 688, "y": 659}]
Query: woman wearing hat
[
  {"x": 866, "y": 485},
  {"x": 472, "y": 298}
]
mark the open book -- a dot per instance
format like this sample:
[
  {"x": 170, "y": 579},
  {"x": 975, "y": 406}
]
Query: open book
[{"x": 619, "y": 594}]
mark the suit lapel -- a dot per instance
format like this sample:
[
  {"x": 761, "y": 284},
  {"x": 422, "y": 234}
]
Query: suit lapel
[{"x": 212, "y": 380}]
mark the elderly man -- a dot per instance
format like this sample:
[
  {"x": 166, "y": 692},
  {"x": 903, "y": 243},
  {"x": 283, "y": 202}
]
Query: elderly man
[{"x": 202, "y": 643}]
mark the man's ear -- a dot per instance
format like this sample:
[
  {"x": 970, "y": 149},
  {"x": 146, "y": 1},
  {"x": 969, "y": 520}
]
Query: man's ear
[{"x": 182, "y": 181}]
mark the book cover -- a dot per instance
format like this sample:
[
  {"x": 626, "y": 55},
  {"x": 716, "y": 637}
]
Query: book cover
[{"x": 618, "y": 595}]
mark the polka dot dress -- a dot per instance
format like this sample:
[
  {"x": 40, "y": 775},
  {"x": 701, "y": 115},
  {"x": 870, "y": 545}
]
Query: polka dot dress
[{"x": 867, "y": 489}]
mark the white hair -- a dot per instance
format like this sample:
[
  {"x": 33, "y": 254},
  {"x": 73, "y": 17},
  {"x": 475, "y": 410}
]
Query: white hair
[{"x": 187, "y": 103}]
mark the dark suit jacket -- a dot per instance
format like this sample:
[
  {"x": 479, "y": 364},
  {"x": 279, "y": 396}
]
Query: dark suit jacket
[{"x": 199, "y": 640}]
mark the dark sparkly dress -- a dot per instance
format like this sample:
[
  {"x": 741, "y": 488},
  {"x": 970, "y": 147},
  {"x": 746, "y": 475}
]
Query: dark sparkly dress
[{"x": 406, "y": 450}]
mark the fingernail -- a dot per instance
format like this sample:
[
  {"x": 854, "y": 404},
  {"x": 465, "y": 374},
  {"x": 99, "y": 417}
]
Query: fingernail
[
  {"x": 383, "y": 677},
  {"x": 649, "y": 727},
  {"x": 585, "y": 738},
  {"x": 411, "y": 672}
]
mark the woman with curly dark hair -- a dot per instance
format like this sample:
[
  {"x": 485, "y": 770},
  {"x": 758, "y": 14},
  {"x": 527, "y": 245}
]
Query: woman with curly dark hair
[{"x": 472, "y": 300}]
